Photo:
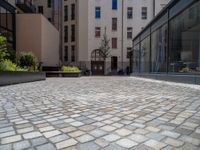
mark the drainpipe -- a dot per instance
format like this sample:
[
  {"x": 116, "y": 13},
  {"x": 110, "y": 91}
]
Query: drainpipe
[
  {"x": 154, "y": 7},
  {"x": 122, "y": 42}
]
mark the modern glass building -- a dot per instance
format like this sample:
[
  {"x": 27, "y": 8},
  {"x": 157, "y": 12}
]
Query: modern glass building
[
  {"x": 7, "y": 23},
  {"x": 171, "y": 42}
]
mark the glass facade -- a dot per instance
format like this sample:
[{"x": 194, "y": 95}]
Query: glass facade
[
  {"x": 159, "y": 49},
  {"x": 184, "y": 54},
  {"x": 7, "y": 23},
  {"x": 145, "y": 55},
  {"x": 173, "y": 45}
]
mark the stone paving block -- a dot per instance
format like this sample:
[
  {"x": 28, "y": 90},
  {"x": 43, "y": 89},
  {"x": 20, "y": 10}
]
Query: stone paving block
[
  {"x": 108, "y": 128},
  {"x": 170, "y": 134},
  {"x": 68, "y": 129},
  {"x": 111, "y": 137},
  {"x": 173, "y": 142},
  {"x": 155, "y": 144},
  {"x": 48, "y": 128},
  {"x": 32, "y": 135},
  {"x": 5, "y": 134},
  {"x": 191, "y": 140},
  {"x": 11, "y": 139},
  {"x": 25, "y": 130},
  {"x": 88, "y": 146},
  {"x": 152, "y": 129},
  {"x": 101, "y": 142},
  {"x": 76, "y": 133},
  {"x": 126, "y": 143},
  {"x": 66, "y": 143},
  {"x": 38, "y": 141},
  {"x": 21, "y": 145},
  {"x": 155, "y": 136},
  {"x": 138, "y": 138},
  {"x": 59, "y": 138},
  {"x": 85, "y": 138},
  {"x": 6, "y": 147},
  {"x": 191, "y": 125},
  {"x": 114, "y": 147},
  {"x": 47, "y": 146},
  {"x": 97, "y": 133},
  {"x": 138, "y": 125},
  {"x": 51, "y": 133},
  {"x": 6, "y": 129},
  {"x": 123, "y": 132},
  {"x": 141, "y": 131},
  {"x": 77, "y": 123}
]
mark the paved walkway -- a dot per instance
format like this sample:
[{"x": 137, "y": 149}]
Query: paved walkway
[{"x": 90, "y": 113}]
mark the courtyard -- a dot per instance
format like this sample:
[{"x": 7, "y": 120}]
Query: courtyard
[{"x": 90, "y": 113}]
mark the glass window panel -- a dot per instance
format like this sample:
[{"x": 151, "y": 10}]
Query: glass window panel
[
  {"x": 185, "y": 41},
  {"x": 158, "y": 50}
]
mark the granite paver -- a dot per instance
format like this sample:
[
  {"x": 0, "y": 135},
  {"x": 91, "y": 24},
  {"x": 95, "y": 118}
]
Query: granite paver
[{"x": 100, "y": 113}]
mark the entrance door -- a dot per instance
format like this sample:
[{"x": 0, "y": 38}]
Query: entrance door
[
  {"x": 113, "y": 63},
  {"x": 97, "y": 62},
  {"x": 97, "y": 67}
]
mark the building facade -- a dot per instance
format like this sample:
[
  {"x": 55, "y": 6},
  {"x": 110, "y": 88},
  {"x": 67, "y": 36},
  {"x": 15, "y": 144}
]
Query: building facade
[
  {"x": 27, "y": 30},
  {"x": 171, "y": 42},
  {"x": 85, "y": 22}
]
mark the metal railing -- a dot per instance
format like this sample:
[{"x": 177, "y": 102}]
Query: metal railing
[{"x": 28, "y": 4}]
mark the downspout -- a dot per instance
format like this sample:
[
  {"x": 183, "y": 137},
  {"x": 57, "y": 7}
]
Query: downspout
[{"x": 122, "y": 42}]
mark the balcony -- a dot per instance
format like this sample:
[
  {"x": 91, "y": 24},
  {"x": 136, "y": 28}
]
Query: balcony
[{"x": 26, "y": 6}]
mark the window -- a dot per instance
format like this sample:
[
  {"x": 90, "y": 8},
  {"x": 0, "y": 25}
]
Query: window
[
  {"x": 66, "y": 53},
  {"x": 114, "y": 4},
  {"x": 73, "y": 54},
  {"x": 114, "y": 24},
  {"x": 49, "y": 3},
  {"x": 97, "y": 32},
  {"x": 144, "y": 12},
  {"x": 129, "y": 32},
  {"x": 73, "y": 33},
  {"x": 73, "y": 12},
  {"x": 98, "y": 12},
  {"x": 130, "y": 12},
  {"x": 128, "y": 52},
  {"x": 40, "y": 9},
  {"x": 66, "y": 34},
  {"x": 114, "y": 43},
  {"x": 66, "y": 13}
]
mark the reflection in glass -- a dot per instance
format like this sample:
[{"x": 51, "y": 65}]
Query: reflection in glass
[{"x": 185, "y": 41}]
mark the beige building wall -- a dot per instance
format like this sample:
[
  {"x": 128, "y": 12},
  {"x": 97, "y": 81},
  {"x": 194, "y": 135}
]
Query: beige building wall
[
  {"x": 35, "y": 33},
  {"x": 87, "y": 23}
]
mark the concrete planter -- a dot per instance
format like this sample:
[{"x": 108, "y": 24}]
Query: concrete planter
[
  {"x": 12, "y": 77},
  {"x": 62, "y": 74}
]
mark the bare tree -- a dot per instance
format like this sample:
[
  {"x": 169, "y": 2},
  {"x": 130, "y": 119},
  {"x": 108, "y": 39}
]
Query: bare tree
[{"x": 105, "y": 48}]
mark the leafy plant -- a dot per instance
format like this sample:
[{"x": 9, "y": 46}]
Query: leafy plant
[
  {"x": 7, "y": 65},
  {"x": 70, "y": 69},
  {"x": 5, "y": 53},
  {"x": 28, "y": 60},
  {"x": 3, "y": 48}
]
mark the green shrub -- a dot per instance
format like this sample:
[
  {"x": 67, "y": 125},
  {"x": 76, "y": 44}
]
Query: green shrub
[
  {"x": 7, "y": 65},
  {"x": 70, "y": 69},
  {"x": 28, "y": 60}
]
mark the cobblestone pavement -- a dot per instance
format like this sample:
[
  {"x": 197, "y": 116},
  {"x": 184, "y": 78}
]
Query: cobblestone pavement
[{"x": 90, "y": 113}]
